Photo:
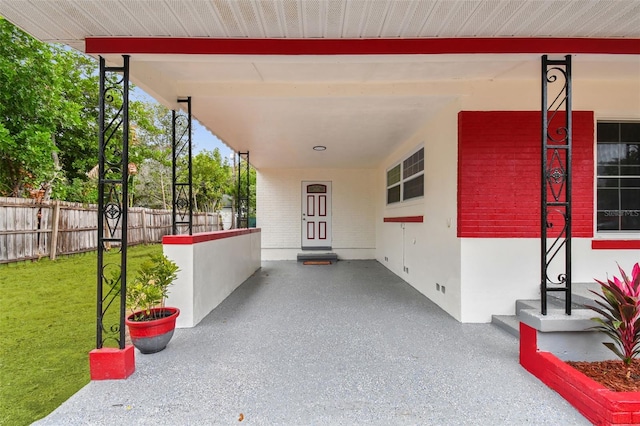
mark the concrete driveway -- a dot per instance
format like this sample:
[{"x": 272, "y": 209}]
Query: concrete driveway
[{"x": 344, "y": 344}]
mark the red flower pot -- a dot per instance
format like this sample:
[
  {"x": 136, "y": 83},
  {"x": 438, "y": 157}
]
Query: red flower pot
[{"x": 150, "y": 336}]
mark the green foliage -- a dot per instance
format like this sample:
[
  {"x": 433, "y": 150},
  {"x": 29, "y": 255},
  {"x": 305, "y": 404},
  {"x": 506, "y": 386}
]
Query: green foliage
[
  {"x": 150, "y": 286},
  {"x": 211, "y": 179},
  {"x": 39, "y": 95},
  {"x": 47, "y": 328},
  {"x": 242, "y": 169},
  {"x": 49, "y": 130},
  {"x": 619, "y": 305}
]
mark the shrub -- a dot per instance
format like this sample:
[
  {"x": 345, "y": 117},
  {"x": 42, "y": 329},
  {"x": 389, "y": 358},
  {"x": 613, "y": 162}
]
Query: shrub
[
  {"x": 150, "y": 286},
  {"x": 619, "y": 305}
]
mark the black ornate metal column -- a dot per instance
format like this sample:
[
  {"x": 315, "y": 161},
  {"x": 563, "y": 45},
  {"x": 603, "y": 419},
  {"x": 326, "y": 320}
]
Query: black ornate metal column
[
  {"x": 182, "y": 189},
  {"x": 244, "y": 193},
  {"x": 556, "y": 180},
  {"x": 113, "y": 160}
]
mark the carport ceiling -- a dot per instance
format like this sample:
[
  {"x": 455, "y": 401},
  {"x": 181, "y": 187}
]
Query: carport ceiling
[{"x": 359, "y": 106}]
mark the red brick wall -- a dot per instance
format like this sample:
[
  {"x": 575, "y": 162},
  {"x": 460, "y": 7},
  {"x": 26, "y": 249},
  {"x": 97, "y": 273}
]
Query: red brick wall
[{"x": 499, "y": 174}]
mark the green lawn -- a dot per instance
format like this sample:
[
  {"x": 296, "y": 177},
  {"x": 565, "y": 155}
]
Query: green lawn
[{"x": 47, "y": 328}]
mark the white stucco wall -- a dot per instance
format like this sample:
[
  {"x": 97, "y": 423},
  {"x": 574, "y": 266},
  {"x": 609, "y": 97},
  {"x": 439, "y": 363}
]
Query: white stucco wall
[
  {"x": 279, "y": 203},
  {"x": 430, "y": 250},
  {"x": 498, "y": 271},
  {"x": 209, "y": 272}
]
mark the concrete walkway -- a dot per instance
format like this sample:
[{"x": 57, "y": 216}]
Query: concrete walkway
[{"x": 345, "y": 344}]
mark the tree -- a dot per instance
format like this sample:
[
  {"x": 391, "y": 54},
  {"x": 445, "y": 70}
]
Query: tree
[
  {"x": 211, "y": 180},
  {"x": 242, "y": 169},
  {"x": 37, "y": 105},
  {"x": 49, "y": 130}
]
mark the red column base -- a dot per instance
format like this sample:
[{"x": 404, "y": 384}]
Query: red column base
[{"x": 112, "y": 363}]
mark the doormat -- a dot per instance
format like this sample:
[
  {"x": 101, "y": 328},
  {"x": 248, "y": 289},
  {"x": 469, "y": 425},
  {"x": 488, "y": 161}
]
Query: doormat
[{"x": 316, "y": 262}]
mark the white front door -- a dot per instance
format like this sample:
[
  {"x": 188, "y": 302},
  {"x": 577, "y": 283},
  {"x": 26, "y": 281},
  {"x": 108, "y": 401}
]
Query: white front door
[{"x": 316, "y": 215}]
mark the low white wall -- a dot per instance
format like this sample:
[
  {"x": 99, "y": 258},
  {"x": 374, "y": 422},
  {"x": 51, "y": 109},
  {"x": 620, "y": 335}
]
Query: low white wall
[
  {"x": 498, "y": 271},
  {"x": 210, "y": 270}
]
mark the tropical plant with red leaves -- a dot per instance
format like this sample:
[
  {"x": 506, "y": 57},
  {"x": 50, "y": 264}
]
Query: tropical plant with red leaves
[{"x": 619, "y": 305}]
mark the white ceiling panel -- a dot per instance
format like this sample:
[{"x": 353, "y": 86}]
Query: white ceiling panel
[
  {"x": 53, "y": 20},
  {"x": 360, "y": 107}
]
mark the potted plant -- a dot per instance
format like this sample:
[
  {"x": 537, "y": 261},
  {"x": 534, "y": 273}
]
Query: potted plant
[{"x": 151, "y": 324}]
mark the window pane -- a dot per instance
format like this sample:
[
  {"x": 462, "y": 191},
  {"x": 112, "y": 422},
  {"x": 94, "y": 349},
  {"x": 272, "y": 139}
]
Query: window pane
[
  {"x": 630, "y": 222},
  {"x": 608, "y": 222},
  {"x": 393, "y": 194},
  {"x": 393, "y": 175},
  {"x": 608, "y": 132},
  {"x": 608, "y": 199},
  {"x": 317, "y": 189},
  {"x": 630, "y": 160},
  {"x": 630, "y": 183},
  {"x": 609, "y": 159},
  {"x": 629, "y": 132},
  {"x": 414, "y": 188},
  {"x": 413, "y": 164},
  {"x": 630, "y": 199},
  {"x": 619, "y": 157},
  {"x": 608, "y": 171},
  {"x": 608, "y": 183}
]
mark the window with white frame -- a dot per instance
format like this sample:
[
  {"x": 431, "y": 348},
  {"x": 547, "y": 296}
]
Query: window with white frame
[
  {"x": 618, "y": 176},
  {"x": 405, "y": 180}
]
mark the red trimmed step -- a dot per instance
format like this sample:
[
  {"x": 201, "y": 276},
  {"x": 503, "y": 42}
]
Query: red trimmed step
[{"x": 597, "y": 403}]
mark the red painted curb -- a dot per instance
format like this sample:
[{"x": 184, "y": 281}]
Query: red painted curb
[{"x": 597, "y": 403}]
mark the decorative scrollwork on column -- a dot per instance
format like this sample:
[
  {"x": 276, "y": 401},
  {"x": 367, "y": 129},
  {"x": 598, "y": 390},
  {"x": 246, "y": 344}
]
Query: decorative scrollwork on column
[
  {"x": 113, "y": 159},
  {"x": 243, "y": 190},
  {"x": 182, "y": 188},
  {"x": 556, "y": 180}
]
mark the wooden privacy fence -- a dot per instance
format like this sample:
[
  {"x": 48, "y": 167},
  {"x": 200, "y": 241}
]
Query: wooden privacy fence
[{"x": 30, "y": 229}]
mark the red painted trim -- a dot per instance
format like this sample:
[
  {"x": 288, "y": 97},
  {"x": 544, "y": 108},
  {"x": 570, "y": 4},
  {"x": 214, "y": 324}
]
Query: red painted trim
[
  {"x": 404, "y": 219},
  {"x": 594, "y": 401},
  {"x": 615, "y": 244},
  {"x": 212, "y": 46},
  {"x": 206, "y": 236},
  {"x": 311, "y": 211},
  {"x": 142, "y": 329},
  {"x": 112, "y": 363}
]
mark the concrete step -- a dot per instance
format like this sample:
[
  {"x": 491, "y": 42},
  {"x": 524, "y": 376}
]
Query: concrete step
[
  {"x": 508, "y": 323},
  {"x": 317, "y": 256},
  {"x": 580, "y": 297},
  {"x": 581, "y": 294}
]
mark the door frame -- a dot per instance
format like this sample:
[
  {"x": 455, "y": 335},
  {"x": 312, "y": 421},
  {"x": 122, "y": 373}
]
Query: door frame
[{"x": 304, "y": 227}]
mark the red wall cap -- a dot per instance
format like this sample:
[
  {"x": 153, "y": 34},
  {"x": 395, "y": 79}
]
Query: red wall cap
[{"x": 206, "y": 236}]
